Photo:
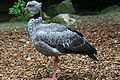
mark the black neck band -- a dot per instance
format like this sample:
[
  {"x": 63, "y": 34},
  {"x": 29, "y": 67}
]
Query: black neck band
[{"x": 36, "y": 15}]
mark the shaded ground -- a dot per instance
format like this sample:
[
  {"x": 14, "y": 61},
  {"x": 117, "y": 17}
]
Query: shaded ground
[
  {"x": 12, "y": 25},
  {"x": 20, "y": 61}
]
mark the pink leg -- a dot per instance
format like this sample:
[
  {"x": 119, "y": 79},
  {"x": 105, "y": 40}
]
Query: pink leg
[{"x": 55, "y": 66}]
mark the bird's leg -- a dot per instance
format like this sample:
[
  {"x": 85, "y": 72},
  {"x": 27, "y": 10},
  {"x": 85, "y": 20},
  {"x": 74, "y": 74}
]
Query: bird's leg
[
  {"x": 55, "y": 64},
  {"x": 55, "y": 67}
]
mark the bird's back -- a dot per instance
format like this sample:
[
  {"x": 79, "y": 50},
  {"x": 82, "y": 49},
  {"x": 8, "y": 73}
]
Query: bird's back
[{"x": 63, "y": 38}]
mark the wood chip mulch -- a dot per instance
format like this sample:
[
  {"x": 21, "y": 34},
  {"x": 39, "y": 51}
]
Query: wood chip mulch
[{"x": 20, "y": 61}]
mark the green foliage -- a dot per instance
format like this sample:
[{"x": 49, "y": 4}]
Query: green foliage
[{"x": 19, "y": 11}]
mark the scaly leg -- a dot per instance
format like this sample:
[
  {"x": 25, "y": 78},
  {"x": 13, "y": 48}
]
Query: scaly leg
[{"x": 55, "y": 67}]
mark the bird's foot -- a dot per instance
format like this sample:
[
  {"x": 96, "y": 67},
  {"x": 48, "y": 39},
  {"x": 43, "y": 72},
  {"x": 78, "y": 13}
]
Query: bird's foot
[
  {"x": 49, "y": 79},
  {"x": 55, "y": 66},
  {"x": 53, "y": 77}
]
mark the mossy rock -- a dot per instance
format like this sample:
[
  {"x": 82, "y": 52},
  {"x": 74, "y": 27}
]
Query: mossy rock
[
  {"x": 77, "y": 17},
  {"x": 65, "y": 7},
  {"x": 61, "y": 8},
  {"x": 51, "y": 11},
  {"x": 112, "y": 9},
  {"x": 66, "y": 19},
  {"x": 112, "y": 12},
  {"x": 58, "y": 20}
]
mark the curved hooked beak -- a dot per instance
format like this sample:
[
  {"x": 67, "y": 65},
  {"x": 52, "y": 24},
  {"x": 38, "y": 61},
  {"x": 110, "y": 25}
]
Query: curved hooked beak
[{"x": 27, "y": 7}]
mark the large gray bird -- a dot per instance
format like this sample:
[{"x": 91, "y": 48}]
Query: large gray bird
[{"x": 55, "y": 39}]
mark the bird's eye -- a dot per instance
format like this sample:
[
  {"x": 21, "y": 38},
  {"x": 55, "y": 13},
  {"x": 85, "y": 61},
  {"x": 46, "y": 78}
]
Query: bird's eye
[{"x": 30, "y": 5}]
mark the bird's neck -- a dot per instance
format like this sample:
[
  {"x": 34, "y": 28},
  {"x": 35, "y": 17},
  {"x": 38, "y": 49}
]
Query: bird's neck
[{"x": 37, "y": 15}]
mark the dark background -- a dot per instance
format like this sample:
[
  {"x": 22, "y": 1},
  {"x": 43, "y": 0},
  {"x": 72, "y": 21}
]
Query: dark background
[{"x": 92, "y": 5}]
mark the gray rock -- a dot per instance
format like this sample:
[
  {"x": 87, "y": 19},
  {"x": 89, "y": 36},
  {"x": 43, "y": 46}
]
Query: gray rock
[
  {"x": 66, "y": 19},
  {"x": 61, "y": 8}
]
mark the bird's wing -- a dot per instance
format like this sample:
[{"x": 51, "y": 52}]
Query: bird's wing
[
  {"x": 74, "y": 30},
  {"x": 66, "y": 41},
  {"x": 69, "y": 28},
  {"x": 61, "y": 40}
]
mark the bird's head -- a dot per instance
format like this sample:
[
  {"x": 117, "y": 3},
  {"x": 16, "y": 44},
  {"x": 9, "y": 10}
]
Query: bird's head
[{"x": 34, "y": 7}]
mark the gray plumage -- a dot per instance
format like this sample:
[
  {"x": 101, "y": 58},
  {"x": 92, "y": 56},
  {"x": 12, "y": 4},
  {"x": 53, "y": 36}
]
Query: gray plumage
[{"x": 55, "y": 39}]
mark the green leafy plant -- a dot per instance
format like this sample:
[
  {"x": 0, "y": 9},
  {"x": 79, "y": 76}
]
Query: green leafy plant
[{"x": 19, "y": 11}]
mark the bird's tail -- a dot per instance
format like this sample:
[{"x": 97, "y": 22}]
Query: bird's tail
[
  {"x": 90, "y": 51},
  {"x": 93, "y": 57}
]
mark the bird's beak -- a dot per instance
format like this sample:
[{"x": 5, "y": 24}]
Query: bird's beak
[{"x": 26, "y": 8}]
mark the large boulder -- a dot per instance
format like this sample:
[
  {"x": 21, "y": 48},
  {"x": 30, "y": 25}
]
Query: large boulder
[
  {"x": 61, "y": 8},
  {"x": 51, "y": 11},
  {"x": 66, "y": 19},
  {"x": 111, "y": 10}
]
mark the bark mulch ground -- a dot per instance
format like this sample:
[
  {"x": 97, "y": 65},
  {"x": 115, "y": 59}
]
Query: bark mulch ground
[{"x": 20, "y": 61}]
